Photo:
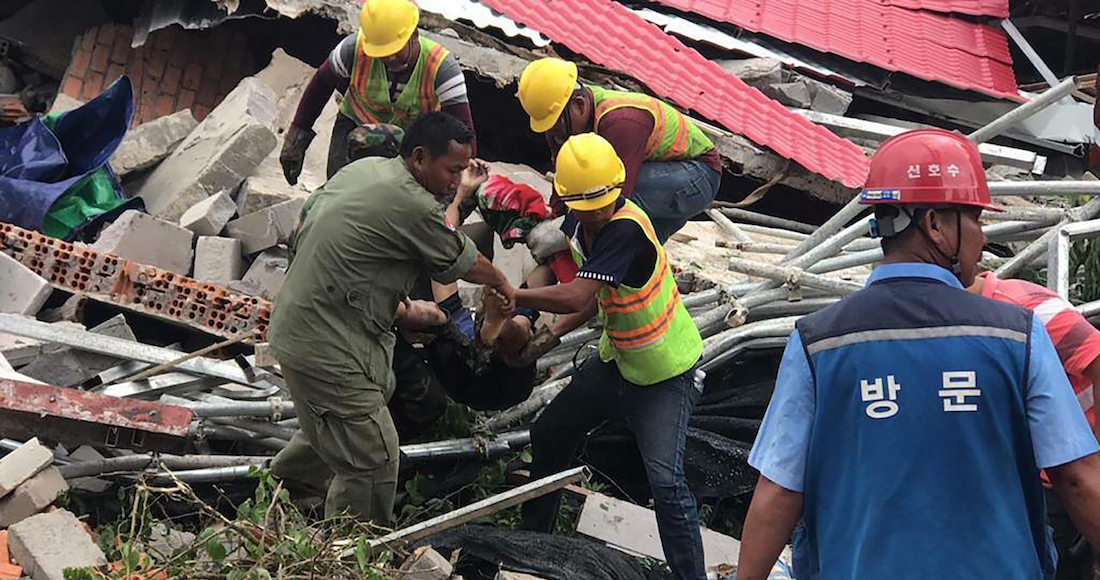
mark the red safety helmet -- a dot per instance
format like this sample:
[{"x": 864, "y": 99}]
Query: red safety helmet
[{"x": 927, "y": 167}]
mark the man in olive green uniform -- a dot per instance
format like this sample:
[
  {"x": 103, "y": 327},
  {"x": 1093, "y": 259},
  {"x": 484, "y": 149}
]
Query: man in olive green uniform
[{"x": 372, "y": 231}]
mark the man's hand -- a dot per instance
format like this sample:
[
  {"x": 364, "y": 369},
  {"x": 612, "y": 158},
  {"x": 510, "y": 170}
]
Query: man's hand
[
  {"x": 505, "y": 294},
  {"x": 475, "y": 174},
  {"x": 419, "y": 315},
  {"x": 293, "y": 153}
]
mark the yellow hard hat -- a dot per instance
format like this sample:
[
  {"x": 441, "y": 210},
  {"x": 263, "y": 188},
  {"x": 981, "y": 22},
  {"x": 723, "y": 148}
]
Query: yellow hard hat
[
  {"x": 589, "y": 174},
  {"x": 386, "y": 25},
  {"x": 544, "y": 90}
]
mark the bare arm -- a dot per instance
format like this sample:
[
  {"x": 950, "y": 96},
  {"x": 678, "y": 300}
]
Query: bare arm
[
  {"x": 472, "y": 178},
  {"x": 567, "y": 323},
  {"x": 1077, "y": 484},
  {"x": 485, "y": 273},
  {"x": 561, "y": 298},
  {"x": 772, "y": 516},
  {"x": 1093, "y": 373}
]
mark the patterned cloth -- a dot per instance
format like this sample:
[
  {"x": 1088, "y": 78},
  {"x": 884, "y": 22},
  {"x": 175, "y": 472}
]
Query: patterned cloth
[{"x": 511, "y": 209}]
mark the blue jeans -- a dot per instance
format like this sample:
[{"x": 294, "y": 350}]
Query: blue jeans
[
  {"x": 658, "y": 416},
  {"x": 672, "y": 192}
]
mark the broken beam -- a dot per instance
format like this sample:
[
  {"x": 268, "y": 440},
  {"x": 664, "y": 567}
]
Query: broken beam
[
  {"x": 74, "y": 417},
  {"x": 152, "y": 291}
]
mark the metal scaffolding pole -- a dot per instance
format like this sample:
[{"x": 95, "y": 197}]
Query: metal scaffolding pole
[
  {"x": 1024, "y": 111},
  {"x": 1044, "y": 188}
]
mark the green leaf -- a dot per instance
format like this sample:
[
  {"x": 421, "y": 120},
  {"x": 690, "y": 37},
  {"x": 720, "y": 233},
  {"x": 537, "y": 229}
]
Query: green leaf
[
  {"x": 525, "y": 455},
  {"x": 216, "y": 549},
  {"x": 362, "y": 554}
]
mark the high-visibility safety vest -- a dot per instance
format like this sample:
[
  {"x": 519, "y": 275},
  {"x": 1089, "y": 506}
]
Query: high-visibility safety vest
[
  {"x": 646, "y": 330},
  {"x": 368, "y": 97},
  {"x": 674, "y": 136}
]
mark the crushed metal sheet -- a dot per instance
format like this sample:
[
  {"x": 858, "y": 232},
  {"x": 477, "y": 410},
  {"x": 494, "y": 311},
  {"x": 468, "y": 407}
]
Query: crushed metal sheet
[
  {"x": 189, "y": 14},
  {"x": 482, "y": 17},
  {"x": 994, "y": 8}
]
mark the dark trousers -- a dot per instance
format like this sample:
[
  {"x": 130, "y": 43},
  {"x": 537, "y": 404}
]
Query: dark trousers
[{"x": 658, "y": 416}]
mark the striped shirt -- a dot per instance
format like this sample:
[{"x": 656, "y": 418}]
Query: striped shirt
[
  {"x": 450, "y": 83},
  {"x": 1075, "y": 339}
]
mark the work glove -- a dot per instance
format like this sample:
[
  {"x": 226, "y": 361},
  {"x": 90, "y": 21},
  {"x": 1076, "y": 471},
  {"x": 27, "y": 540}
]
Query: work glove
[
  {"x": 541, "y": 343},
  {"x": 293, "y": 154},
  {"x": 547, "y": 239}
]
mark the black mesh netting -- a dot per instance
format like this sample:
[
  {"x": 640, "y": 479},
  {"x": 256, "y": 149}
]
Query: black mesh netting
[{"x": 486, "y": 548}]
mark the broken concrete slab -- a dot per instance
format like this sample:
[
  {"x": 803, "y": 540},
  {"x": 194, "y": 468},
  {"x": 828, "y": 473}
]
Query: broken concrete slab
[
  {"x": 64, "y": 366},
  {"x": 32, "y": 496},
  {"x": 755, "y": 72},
  {"x": 8, "y": 372},
  {"x": 22, "y": 464},
  {"x": 266, "y": 275},
  {"x": 20, "y": 351},
  {"x": 218, "y": 259},
  {"x": 145, "y": 239},
  {"x": 218, "y": 155},
  {"x": 22, "y": 291},
  {"x": 209, "y": 216},
  {"x": 795, "y": 94},
  {"x": 149, "y": 143},
  {"x": 266, "y": 228},
  {"x": 72, "y": 310},
  {"x": 425, "y": 564},
  {"x": 46, "y": 544},
  {"x": 829, "y": 99},
  {"x": 262, "y": 192}
]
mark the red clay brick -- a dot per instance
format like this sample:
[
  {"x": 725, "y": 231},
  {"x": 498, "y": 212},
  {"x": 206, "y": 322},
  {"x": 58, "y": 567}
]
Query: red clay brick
[
  {"x": 165, "y": 105},
  {"x": 106, "y": 35},
  {"x": 171, "y": 81},
  {"x": 200, "y": 112},
  {"x": 135, "y": 69},
  {"x": 212, "y": 70},
  {"x": 78, "y": 67},
  {"x": 227, "y": 83},
  {"x": 208, "y": 94},
  {"x": 87, "y": 42},
  {"x": 185, "y": 100},
  {"x": 155, "y": 61},
  {"x": 114, "y": 72},
  {"x": 100, "y": 57},
  {"x": 192, "y": 76},
  {"x": 93, "y": 85},
  {"x": 121, "y": 51},
  {"x": 165, "y": 38},
  {"x": 72, "y": 87}
]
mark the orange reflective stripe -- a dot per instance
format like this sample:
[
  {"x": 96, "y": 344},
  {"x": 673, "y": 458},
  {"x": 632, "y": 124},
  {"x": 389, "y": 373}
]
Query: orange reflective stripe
[
  {"x": 679, "y": 145},
  {"x": 658, "y": 133},
  {"x": 642, "y": 299},
  {"x": 648, "y": 334},
  {"x": 427, "y": 81}
]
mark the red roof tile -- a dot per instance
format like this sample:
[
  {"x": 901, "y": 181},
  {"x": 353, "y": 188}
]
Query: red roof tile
[
  {"x": 992, "y": 8},
  {"x": 607, "y": 33},
  {"x": 923, "y": 44}
]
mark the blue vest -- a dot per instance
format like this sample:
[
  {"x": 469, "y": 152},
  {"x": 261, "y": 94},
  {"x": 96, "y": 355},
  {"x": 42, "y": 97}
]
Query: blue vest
[{"x": 920, "y": 463}]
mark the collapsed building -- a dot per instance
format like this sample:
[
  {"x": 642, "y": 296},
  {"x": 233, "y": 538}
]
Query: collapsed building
[{"x": 139, "y": 269}]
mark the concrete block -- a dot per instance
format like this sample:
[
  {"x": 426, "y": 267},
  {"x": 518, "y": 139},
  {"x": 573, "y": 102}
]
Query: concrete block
[
  {"x": 65, "y": 367},
  {"x": 217, "y": 156},
  {"x": 218, "y": 259},
  {"x": 266, "y": 275},
  {"x": 266, "y": 228},
  {"x": 72, "y": 310},
  {"x": 796, "y": 94},
  {"x": 147, "y": 240},
  {"x": 22, "y": 464},
  {"x": 22, "y": 291},
  {"x": 425, "y": 564},
  {"x": 32, "y": 496},
  {"x": 756, "y": 72},
  {"x": 45, "y": 544},
  {"x": 209, "y": 216},
  {"x": 149, "y": 143},
  {"x": 261, "y": 192},
  {"x": 21, "y": 351},
  {"x": 829, "y": 99},
  {"x": 165, "y": 541}
]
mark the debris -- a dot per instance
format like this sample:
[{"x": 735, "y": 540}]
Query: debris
[
  {"x": 217, "y": 155},
  {"x": 66, "y": 366},
  {"x": 218, "y": 259},
  {"x": 266, "y": 275},
  {"x": 425, "y": 564},
  {"x": 796, "y": 94},
  {"x": 259, "y": 193},
  {"x": 23, "y": 291},
  {"x": 46, "y": 544},
  {"x": 143, "y": 238},
  {"x": 165, "y": 541},
  {"x": 756, "y": 72},
  {"x": 21, "y": 464},
  {"x": 147, "y": 144},
  {"x": 64, "y": 103},
  {"x": 43, "y": 32},
  {"x": 32, "y": 496},
  {"x": 8, "y": 571},
  {"x": 266, "y": 228},
  {"x": 209, "y": 216},
  {"x": 72, "y": 310},
  {"x": 137, "y": 287},
  {"x": 633, "y": 528},
  {"x": 829, "y": 99},
  {"x": 507, "y": 575},
  {"x": 9, "y": 83}
]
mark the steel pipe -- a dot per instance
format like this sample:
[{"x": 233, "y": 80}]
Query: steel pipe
[
  {"x": 1028, "y": 214},
  {"x": 258, "y": 427},
  {"x": 1039, "y": 247},
  {"x": 753, "y": 217},
  {"x": 538, "y": 399},
  {"x": 781, "y": 308},
  {"x": 850, "y": 261},
  {"x": 475, "y": 448},
  {"x": 828, "y": 246},
  {"x": 727, "y": 226},
  {"x": 792, "y": 275},
  {"x": 146, "y": 461},
  {"x": 1044, "y": 188},
  {"x": 242, "y": 409},
  {"x": 719, "y": 343},
  {"x": 739, "y": 349}
]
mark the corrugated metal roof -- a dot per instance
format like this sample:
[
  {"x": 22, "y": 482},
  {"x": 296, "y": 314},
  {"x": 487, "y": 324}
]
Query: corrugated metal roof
[
  {"x": 923, "y": 44},
  {"x": 993, "y": 8},
  {"x": 609, "y": 34},
  {"x": 482, "y": 17}
]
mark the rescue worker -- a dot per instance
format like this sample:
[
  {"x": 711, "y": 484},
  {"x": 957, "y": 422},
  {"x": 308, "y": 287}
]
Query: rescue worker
[
  {"x": 910, "y": 421},
  {"x": 644, "y": 372},
  {"x": 672, "y": 169},
  {"x": 373, "y": 230},
  {"x": 1077, "y": 343},
  {"x": 388, "y": 75}
]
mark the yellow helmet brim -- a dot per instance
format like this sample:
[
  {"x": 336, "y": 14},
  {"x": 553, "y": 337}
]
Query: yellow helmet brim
[
  {"x": 546, "y": 123},
  {"x": 609, "y": 197}
]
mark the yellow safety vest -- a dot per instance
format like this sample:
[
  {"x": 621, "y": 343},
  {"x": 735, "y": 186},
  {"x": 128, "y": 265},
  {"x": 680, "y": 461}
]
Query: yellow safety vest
[
  {"x": 674, "y": 136},
  {"x": 368, "y": 97}
]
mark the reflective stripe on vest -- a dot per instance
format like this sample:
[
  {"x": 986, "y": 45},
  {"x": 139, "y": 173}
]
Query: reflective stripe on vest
[
  {"x": 647, "y": 330},
  {"x": 368, "y": 96},
  {"x": 674, "y": 136}
]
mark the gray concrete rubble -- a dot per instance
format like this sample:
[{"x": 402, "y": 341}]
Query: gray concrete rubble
[
  {"x": 425, "y": 564},
  {"x": 147, "y": 144},
  {"x": 48, "y": 543},
  {"x": 756, "y": 72},
  {"x": 262, "y": 192},
  {"x": 266, "y": 228},
  {"x": 209, "y": 216},
  {"x": 64, "y": 366},
  {"x": 218, "y": 260},
  {"x": 22, "y": 464},
  {"x": 148, "y": 240},
  {"x": 32, "y": 496},
  {"x": 218, "y": 155},
  {"x": 22, "y": 291},
  {"x": 266, "y": 274}
]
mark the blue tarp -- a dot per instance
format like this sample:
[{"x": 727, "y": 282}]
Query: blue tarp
[{"x": 39, "y": 165}]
